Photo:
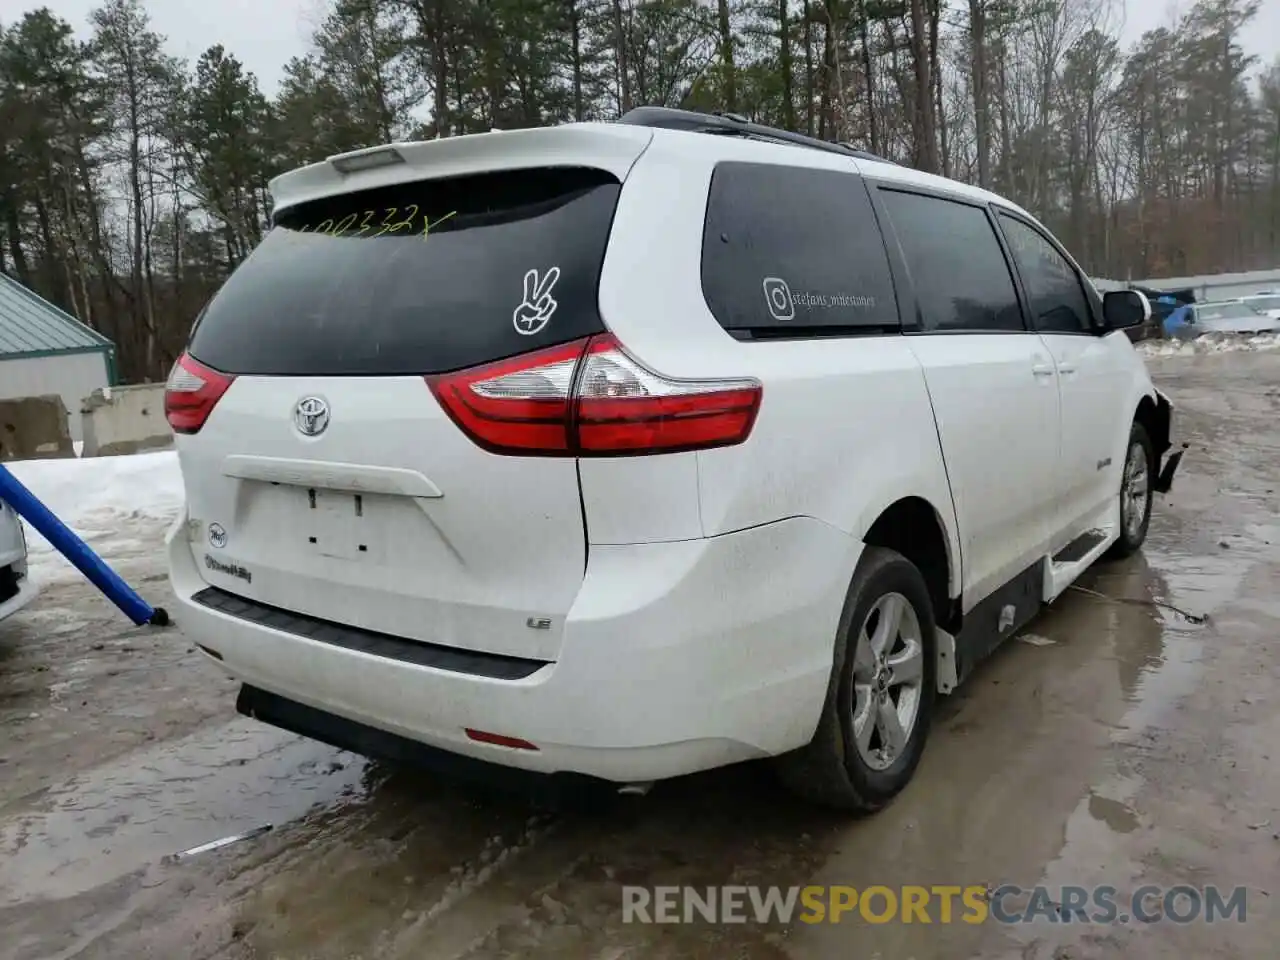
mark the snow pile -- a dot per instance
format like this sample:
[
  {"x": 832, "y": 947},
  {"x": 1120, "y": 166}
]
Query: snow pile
[
  {"x": 120, "y": 506},
  {"x": 1208, "y": 343}
]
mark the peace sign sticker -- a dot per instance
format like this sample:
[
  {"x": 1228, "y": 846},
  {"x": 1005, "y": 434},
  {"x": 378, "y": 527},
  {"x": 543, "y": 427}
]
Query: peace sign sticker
[{"x": 538, "y": 305}]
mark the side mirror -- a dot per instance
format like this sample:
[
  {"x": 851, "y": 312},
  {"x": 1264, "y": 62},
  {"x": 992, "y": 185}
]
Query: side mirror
[{"x": 1122, "y": 309}]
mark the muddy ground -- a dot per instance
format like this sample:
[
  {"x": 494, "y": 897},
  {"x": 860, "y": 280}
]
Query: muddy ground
[{"x": 1133, "y": 747}]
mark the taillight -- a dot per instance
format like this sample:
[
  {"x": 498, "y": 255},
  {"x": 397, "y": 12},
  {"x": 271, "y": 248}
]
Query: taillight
[
  {"x": 191, "y": 393},
  {"x": 590, "y": 398},
  {"x": 514, "y": 406}
]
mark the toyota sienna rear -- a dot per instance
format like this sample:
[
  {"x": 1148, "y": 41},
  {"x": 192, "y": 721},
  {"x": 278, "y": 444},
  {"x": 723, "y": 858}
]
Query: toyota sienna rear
[{"x": 441, "y": 457}]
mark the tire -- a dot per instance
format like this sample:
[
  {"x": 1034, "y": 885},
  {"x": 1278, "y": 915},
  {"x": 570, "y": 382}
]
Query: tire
[
  {"x": 837, "y": 769},
  {"x": 1137, "y": 477}
]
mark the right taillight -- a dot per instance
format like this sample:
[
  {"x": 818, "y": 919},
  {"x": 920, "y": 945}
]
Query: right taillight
[
  {"x": 191, "y": 393},
  {"x": 590, "y": 398}
]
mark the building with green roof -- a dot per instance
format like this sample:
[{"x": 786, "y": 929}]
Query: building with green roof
[{"x": 45, "y": 350}]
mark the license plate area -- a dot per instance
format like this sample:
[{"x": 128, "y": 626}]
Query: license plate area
[{"x": 341, "y": 524}]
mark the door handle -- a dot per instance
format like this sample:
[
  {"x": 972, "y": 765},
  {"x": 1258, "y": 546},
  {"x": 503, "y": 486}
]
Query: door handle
[
  {"x": 1042, "y": 369},
  {"x": 1067, "y": 368}
]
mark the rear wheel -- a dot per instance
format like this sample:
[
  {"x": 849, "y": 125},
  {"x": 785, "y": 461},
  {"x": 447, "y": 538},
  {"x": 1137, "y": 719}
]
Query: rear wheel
[
  {"x": 879, "y": 704},
  {"x": 1136, "y": 484}
]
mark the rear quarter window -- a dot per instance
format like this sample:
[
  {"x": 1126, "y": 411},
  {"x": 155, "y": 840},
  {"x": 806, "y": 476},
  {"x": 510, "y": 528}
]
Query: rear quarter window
[
  {"x": 794, "y": 252},
  {"x": 418, "y": 278}
]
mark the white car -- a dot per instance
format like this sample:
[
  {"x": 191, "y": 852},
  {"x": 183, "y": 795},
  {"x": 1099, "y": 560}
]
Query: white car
[
  {"x": 628, "y": 450},
  {"x": 1267, "y": 304},
  {"x": 16, "y": 590},
  {"x": 1227, "y": 317}
]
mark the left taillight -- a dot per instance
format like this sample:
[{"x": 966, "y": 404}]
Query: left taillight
[
  {"x": 591, "y": 398},
  {"x": 191, "y": 393}
]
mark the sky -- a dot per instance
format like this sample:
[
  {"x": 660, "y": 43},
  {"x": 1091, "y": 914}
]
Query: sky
[{"x": 264, "y": 34}]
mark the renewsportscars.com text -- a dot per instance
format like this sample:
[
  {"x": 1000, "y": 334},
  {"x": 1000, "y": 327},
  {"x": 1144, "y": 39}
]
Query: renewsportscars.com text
[{"x": 942, "y": 904}]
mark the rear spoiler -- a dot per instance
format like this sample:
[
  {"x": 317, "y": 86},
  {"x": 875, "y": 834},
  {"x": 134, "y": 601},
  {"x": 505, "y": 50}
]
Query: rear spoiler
[{"x": 606, "y": 146}]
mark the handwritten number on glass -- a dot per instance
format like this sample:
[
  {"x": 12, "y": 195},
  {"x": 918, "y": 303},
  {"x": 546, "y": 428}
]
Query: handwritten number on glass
[
  {"x": 427, "y": 226},
  {"x": 407, "y": 222},
  {"x": 386, "y": 221},
  {"x": 361, "y": 222}
]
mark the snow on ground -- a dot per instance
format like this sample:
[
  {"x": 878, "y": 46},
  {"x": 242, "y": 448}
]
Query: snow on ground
[
  {"x": 120, "y": 506},
  {"x": 1209, "y": 343}
]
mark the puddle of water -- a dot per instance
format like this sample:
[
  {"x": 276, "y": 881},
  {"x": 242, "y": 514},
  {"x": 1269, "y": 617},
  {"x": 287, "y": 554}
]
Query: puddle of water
[
  {"x": 1093, "y": 852},
  {"x": 1163, "y": 682},
  {"x": 1204, "y": 582},
  {"x": 121, "y": 817},
  {"x": 1201, "y": 585},
  {"x": 1117, "y": 815},
  {"x": 1091, "y": 856}
]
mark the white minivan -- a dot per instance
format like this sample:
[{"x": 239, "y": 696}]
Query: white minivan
[{"x": 627, "y": 450}]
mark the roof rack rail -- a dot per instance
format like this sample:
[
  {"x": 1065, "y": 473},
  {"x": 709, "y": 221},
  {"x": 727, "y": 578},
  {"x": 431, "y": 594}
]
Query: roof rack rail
[{"x": 735, "y": 125}]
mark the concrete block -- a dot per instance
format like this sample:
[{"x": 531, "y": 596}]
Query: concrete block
[
  {"x": 34, "y": 428},
  {"x": 119, "y": 420}
]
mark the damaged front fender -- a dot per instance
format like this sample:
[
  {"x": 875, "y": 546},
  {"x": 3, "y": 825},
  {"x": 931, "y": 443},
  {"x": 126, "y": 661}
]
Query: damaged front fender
[
  {"x": 1157, "y": 417},
  {"x": 1164, "y": 479}
]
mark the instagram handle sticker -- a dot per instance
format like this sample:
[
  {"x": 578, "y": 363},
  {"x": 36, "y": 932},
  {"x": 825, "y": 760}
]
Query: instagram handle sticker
[{"x": 777, "y": 295}]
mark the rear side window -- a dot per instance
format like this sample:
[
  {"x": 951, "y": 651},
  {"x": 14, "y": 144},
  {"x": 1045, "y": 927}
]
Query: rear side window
[
  {"x": 791, "y": 251},
  {"x": 417, "y": 278},
  {"x": 961, "y": 277},
  {"x": 1058, "y": 301}
]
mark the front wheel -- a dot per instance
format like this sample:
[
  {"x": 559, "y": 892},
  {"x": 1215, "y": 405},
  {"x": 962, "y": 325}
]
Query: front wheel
[
  {"x": 879, "y": 705},
  {"x": 1136, "y": 485}
]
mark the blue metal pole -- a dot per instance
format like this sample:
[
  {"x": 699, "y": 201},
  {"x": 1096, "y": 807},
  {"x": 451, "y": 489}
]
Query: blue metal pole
[{"x": 62, "y": 537}]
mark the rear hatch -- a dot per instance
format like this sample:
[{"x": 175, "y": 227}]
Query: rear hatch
[{"x": 323, "y": 475}]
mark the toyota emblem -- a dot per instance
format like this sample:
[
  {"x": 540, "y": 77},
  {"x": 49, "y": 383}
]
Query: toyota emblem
[{"x": 311, "y": 416}]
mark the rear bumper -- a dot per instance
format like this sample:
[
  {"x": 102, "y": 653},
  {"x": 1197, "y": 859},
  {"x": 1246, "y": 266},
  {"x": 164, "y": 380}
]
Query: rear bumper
[
  {"x": 372, "y": 742},
  {"x": 676, "y": 657}
]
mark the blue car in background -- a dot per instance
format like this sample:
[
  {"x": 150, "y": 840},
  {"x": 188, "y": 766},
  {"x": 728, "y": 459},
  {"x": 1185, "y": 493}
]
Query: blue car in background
[
  {"x": 1178, "y": 320},
  {"x": 1163, "y": 304}
]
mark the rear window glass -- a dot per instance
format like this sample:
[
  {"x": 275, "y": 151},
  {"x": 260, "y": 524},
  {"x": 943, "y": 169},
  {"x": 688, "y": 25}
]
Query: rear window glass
[
  {"x": 423, "y": 277},
  {"x": 793, "y": 251}
]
